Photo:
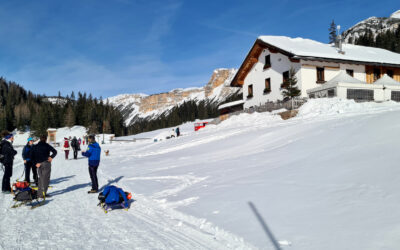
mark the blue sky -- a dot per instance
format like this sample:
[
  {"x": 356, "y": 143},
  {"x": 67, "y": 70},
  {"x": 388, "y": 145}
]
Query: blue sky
[{"x": 112, "y": 47}]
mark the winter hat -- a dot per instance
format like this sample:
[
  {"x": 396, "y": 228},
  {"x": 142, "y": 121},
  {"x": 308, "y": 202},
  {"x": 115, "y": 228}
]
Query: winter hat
[
  {"x": 30, "y": 139},
  {"x": 9, "y": 136}
]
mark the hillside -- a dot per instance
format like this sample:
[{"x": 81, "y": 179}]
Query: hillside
[
  {"x": 141, "y": 106},
  {"x": 377, "y": 25},
  {"x": 327, "y": 179}
]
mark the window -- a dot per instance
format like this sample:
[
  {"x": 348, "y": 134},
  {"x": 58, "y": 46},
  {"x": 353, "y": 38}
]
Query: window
[
  {"x": 395, "y": 96},
  {"x": 267, "y": 61},
  {"x": 320, "y": 75},
  {"x": 285, "y": 76},
  {"x": 331, "y": 92},
  {"x": 267, "y": 86},
  {"x": 377, "y": 74},
  {"x": 360, "y": 94},
  {"x": 250, "y": 91},
  {"x": 389, "y": 72},
  {"x": 350, "y": 72}
]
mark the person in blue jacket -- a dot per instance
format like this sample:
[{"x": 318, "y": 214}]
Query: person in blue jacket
[
  {"x": 113, "y": 194},
  {"x": 93, "y": 153},
  {"x": 26, "y": 152}
]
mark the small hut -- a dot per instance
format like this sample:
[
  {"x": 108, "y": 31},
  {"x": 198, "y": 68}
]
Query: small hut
[{"x": 51, "y": 135}]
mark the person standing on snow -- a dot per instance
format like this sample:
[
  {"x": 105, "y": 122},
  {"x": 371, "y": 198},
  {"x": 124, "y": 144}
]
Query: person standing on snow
[
  {"x": 8, "y": 153},
  {"x": 75, "y": 147},
  {"x": 26, "y": 151},
  {"x": 42, "y": 160},
  {"x": 93, "y": 153},
  {"x": 66, "y": 147},
  {"x": 178, "y": 132}
]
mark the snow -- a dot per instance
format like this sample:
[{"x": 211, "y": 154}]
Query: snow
[
  {"x": 344, "y": 77},
  {"x": 20, "y": 138},
  {"x": 395, "y": 14},
  {"x": 387, "y": 80},
  {"x": 309, "y": 48},
  {"x": 230, "y": 104},
  {"x": 326, "y": 179}
]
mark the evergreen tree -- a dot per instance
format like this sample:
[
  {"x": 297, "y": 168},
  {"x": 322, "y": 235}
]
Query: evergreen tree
[
  {"x": 290, "y": 89},
  {"x": 69, "y": 119},
  {"x": 332, "y": 32},
  {"x": 93, "y": 129}
]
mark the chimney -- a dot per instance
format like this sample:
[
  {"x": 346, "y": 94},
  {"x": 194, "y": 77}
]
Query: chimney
[{"x": 339, "y": 41}]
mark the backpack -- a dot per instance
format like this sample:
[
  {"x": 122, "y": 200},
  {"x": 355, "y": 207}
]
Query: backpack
[
  {"x": 27, "y": 194},
  {"x": 20, "y": 185}
]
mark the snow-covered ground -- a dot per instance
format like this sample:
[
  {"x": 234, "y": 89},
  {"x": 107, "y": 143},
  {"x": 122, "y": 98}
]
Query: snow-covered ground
[
  {"x": 327, "y": 179},
  {"x": 20, "y": 138}
]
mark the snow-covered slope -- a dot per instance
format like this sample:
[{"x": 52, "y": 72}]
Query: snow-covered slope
[
  {"x": 326, "y": 179},
  {"x": 134, "y": 106},
  {"x": 375, "y": 24}
]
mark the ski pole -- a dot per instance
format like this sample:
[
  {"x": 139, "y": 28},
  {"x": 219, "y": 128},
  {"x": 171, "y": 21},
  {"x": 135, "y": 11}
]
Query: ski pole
[{"x": 264, "y": 226}]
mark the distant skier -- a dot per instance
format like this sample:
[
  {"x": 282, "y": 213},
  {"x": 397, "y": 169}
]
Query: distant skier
[
  {"x": 178, "y": 132},
  {"x": 66, "y": 147},
  {"x": 93, "y": 153},
  {"x": 8, "y": 153},
  {"x": 42, "y": 159},
  {"x": 26, "y": 152},
  {"x": 75, "y": 147}
]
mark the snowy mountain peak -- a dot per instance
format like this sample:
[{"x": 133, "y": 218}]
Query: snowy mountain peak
[
  {"x": 135, "y": 106},
  {"x": 375, "y": 24},
  {"x": 395, "y": 14}
]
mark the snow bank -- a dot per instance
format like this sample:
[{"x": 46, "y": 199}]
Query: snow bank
[{"x": 334, "y": 106}]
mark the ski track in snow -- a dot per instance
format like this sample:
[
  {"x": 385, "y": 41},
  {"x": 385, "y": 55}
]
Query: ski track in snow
[{"x": 72, "y": 220}]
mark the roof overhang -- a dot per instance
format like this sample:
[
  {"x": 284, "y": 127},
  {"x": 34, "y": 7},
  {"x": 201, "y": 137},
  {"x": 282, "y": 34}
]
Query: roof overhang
[{"x": 324, "y": 59}]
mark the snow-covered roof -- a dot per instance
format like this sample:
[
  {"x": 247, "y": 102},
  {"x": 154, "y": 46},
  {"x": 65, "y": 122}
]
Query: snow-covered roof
[
  {"x": 340, "y": 78},
  {"x": 387, "y": 80},
  {"x": 309, "y": 48},
  {"x": 395, "y": 14},
  {"x": 345, "y": 78},
  {"x": 231, "y": 104}
]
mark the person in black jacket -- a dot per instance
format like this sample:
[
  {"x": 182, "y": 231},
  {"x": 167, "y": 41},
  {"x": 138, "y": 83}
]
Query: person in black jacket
[
  {"x": 41, "y": 158},
  {"x": 28, "y": 162},
  {"x": 75, "y": 147},
  {"x": 8, "y": 152}
]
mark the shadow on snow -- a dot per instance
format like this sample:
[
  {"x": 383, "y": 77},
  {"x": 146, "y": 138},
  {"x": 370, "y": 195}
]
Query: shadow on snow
[
  {"x": 116, "y": 180},
  {"x": 70, "y": 189},
  {"x": 61, "y": 179}
]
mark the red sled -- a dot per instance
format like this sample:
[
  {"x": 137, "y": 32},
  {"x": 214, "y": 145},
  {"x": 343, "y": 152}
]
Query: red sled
[{"x": 199, "y": 125}]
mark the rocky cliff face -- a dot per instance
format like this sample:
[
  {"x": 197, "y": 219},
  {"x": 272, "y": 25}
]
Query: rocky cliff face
[
  {"x": 375, "y": 24},
  {"x": 134, "y": 106}
]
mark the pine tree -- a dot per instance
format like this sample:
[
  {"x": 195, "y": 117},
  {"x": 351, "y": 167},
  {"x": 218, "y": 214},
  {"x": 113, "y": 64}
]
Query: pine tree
[
  {"x": 93, "y": 128},
  {"x": 332, "y": 32},
  {"x": 69, "y": 119},
  {"x": 290, "y": 89}
]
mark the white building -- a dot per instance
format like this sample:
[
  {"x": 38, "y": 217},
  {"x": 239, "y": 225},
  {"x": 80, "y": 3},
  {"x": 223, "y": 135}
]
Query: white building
[
  {"x": 268, "y": 63},
  {"x": 346, "y": 87}
]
